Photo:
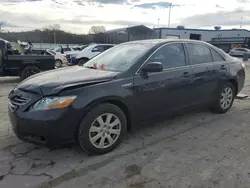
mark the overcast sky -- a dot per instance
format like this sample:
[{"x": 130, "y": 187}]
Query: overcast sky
[{"x": 77, "y": 16}]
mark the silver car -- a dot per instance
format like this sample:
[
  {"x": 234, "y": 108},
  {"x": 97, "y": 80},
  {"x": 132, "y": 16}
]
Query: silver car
[{"x": 239, "y": 51}]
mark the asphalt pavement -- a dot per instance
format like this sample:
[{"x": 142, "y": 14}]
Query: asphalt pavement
[{"x": 198, "y": 149}]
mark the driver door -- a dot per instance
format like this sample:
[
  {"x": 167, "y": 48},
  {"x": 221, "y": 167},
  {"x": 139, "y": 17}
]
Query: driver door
[{"x": 167, "y": 91}]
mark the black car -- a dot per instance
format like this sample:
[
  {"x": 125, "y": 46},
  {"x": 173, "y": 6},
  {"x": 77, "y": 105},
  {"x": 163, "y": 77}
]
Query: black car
[{"x": 95, "y": 104}]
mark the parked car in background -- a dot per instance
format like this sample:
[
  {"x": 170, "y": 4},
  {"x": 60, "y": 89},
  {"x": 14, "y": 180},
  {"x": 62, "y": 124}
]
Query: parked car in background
[
  {"x": 65, "y": 49},
  {"x": 87, "y": 53},
  {"x": 17, "y": 64},
  {"x": 79, "y": 48},
  {"x": 60, "y": 59},
  {"x": 239, "y": 52},
  {"x": 95, "y": 104}
]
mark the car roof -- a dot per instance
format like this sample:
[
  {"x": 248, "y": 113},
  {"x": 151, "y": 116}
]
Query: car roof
[
  {"x": 104, "y": 44},
  {"x": 162, "y": 41}
]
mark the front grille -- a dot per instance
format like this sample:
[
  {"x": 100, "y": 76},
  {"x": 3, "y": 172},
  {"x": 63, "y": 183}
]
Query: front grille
[{"x": 18, "y": 101}]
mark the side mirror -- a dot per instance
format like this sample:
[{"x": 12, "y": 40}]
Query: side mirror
[
  {"x": 153, "y": 67},
  {"x": 245, "y": 56},
  {"x": 96, "y": 50}
]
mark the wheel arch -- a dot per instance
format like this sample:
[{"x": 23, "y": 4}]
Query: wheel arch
[
  {"x": 235, "y": 84},
  {"x": 58, "y": 60},
  {"x": 29, "y": 64},
  {"x": 115, "y": 100}
]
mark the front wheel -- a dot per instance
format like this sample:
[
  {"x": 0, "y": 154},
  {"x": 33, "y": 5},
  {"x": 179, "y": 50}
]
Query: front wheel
[
  {"x": 102, "y": 129},
  {"x": 29, "y": 71},
  {"x": 225, "y": 98}
]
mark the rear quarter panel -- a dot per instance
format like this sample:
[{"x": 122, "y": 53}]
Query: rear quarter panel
[{"x": 237, "y": 73}]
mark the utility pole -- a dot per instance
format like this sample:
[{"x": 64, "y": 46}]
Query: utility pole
[
  {"x": 158, "y": 22},
  {"x": 169, "y": 15},
  {"x": 54, "y": 36},
  {"x": 241, "y": 22}
]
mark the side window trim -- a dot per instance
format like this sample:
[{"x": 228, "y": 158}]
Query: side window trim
[
  {"x": 212, "y": 50},
  {"x": 186, "y": 61},
  {"x": 185, "y": 43}
]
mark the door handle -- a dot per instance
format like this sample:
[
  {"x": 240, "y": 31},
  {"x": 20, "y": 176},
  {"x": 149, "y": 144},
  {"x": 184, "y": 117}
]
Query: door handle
[
  {"x": 223, "y": 67},
  {"x": 185, "y": 74}
]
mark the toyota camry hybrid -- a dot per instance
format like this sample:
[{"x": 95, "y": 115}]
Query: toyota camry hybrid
[{"x": 95, "y": 104}]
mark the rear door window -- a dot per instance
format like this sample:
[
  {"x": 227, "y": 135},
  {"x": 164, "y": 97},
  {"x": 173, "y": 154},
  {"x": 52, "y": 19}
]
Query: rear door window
[
  {"x": 99, "y": 48},
  {"x": 216, "y": 56},
  {"x": 199, "y": 54},
  {"x": 170, "y": 55}
]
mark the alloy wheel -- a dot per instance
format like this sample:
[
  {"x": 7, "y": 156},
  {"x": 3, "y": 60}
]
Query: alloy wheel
[
  {"x": 58, "y": 63},
  {"x": 105, "y": 130},
  {"x": 226, "y": 98}
]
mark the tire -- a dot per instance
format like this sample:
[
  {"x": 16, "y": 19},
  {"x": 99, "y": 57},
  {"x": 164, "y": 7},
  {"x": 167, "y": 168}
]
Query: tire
[
  {"x": 90, "y": 128},
  {"x": 82, "y": 61},
  {"x": 220, "y": 106},
  {"x": 29, "y": 71},
  {"x": 58, "y": 63}
]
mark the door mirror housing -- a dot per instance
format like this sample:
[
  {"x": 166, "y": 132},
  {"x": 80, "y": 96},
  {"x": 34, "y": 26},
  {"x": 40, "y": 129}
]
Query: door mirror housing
[
  {"x": 152, "y": 67},
  {"x": 96, "y": 50}
]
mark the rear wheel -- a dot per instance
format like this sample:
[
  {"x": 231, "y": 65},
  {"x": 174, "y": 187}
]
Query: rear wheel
[
  {"x": 58, "y": 63},
  {"x": 225, "y": 98},
  {"x": 102, "y": 129},
  {"x": 29, "y": 71}
]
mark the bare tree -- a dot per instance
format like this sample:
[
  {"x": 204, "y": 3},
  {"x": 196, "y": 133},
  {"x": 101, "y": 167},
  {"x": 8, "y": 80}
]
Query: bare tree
[
  {"x": 2, "y": 23},
  {"x": 54, "y": 28},
  {"x": 97, "y": 29}
]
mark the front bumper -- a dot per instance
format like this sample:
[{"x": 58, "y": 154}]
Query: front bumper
[
  {"x": 48, "y": 127},
  {"x": 56, "y": 129}
]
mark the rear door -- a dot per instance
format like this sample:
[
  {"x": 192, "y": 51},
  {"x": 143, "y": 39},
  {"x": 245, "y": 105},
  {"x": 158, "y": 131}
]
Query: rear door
[
  {"x": 200, "y": 58},
  {"x": 218, "y": 70},
  {"x": 167, "y": 91}
]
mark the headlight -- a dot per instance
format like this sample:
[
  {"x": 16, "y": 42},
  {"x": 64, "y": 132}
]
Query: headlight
[{"x": 53, "y": 103}]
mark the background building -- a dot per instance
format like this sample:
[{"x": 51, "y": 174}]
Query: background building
[
  {"x": 139, "y": 32},
  {"x": 224, "y": 39}
]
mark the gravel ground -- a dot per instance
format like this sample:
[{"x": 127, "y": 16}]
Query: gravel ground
[{"x": 199, "y": 149}]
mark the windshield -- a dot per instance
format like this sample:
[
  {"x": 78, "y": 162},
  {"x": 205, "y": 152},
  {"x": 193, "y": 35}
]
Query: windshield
[
  {"x": 89, "y": 47},
  {"x": 119, "y": 58}
]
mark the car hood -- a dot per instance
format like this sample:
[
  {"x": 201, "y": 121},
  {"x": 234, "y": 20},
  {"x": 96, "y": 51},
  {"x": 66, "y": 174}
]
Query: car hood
[
  {"x": 54, "y": 81},
  {"x": 74, "y": 53},
  {"x": 83, "y": 54}
]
